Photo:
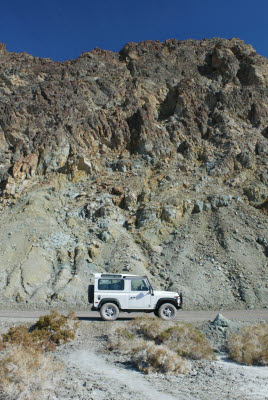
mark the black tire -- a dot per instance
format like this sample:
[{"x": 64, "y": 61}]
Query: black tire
[
  {"x": 109, "y": 312},
  {"x": 167, "y": 311}
]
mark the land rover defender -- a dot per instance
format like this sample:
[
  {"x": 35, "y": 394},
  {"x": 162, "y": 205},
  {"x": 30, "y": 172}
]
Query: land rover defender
[{"x": 113, "y": 293}]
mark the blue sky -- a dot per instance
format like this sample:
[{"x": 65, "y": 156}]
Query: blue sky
[{"x": 64, "y": 29}]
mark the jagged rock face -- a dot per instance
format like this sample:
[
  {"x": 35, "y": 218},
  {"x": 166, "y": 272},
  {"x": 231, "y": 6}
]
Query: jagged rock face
[{"x": 152, "y": 160}]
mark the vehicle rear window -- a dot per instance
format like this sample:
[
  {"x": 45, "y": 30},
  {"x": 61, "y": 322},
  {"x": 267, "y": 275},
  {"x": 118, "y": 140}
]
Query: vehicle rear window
[{"x": 111, "y": 284}]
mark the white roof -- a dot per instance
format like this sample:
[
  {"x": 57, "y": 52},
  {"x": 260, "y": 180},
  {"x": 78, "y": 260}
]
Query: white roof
[{"x": 107, "y": 275}]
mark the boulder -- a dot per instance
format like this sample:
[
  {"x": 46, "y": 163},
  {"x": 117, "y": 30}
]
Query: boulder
[
  {"x": 198, "y": 207},
  {"x": 84, "y": 164},
  {"x": 256, "y": 192},
  {"x": 220, "y": 320},
  {"x": 147, "y": 215},
  {"x": 219, "y": 200},
  {"x": 169, "y": 213},
  {"x": 224, "y": 61}
]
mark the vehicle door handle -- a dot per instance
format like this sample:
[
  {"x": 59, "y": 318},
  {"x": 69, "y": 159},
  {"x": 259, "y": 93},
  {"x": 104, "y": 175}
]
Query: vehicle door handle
[{"x": 133, "y": 297}]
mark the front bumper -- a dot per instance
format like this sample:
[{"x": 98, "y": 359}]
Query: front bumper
[{"x": 180, "y": 301}]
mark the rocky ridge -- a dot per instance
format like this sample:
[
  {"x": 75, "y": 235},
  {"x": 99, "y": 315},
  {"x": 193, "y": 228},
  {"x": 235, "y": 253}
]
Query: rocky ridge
[{"x": 152, "y": 160}]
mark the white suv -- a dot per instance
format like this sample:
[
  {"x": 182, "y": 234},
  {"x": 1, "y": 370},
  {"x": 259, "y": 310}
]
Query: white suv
[{"x": 131, "y": 293}]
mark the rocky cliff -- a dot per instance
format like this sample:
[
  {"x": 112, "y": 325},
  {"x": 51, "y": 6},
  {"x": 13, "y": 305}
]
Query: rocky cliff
[{"x": 152, "y": 160}]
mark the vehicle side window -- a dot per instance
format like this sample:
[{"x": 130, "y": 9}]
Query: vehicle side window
[
  {"x": 111, "y": 284},
  {"x": 138, "y": 285}
]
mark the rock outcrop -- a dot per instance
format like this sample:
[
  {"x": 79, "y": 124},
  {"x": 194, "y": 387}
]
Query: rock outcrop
[{"x": 152, "y": 160}]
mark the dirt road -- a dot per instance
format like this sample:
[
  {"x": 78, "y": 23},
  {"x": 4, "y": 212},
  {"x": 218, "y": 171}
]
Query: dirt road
[{"x": 189, "y": 316}]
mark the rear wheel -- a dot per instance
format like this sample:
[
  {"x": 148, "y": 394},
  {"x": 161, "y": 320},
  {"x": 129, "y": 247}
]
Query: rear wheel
[
  {"x": 167, "y": 311},
  {"x": 109, "y": 312}
]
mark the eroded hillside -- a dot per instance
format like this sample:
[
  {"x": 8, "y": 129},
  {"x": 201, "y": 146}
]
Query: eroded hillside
[{"x": 152, "y": 160}]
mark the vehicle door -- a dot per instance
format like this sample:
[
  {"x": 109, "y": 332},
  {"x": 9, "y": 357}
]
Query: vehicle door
[
  {"x": 112, "y": 288},
  {"x": 139, "y": 294}
]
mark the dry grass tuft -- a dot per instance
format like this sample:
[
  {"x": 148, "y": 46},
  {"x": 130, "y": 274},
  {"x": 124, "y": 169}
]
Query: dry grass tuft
[
  {"x": 26, "y": 374},
  {"x": 2, "y": 344},
  {"x": 149, "y": 357},
  {"x": 147, "y": 327},
  {"x": 20, "y": 336},
  {"x": 187, "y": 341},
  {"x": 50, "y": 331},
  {"x": 152, "y": 346},
  {"x": 250, "y": 345}
]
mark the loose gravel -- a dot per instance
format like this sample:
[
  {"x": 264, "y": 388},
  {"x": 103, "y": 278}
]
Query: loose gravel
[{"x": 92, "y": 373}]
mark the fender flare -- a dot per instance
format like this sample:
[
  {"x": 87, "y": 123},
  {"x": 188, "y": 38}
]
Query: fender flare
[
  {"x": 166, "y": 300},
  {"x": 110, "y": 300}
]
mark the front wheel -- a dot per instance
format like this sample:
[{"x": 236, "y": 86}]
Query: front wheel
[
  {"x": 167, "y": 311},
  {"x": 109, "y": 312}
]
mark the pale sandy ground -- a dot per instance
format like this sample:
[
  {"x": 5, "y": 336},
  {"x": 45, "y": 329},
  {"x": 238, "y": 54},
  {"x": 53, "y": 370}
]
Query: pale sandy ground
[
  {"x": 217, "y": 380},
  {"x": 91, "y": 373}
]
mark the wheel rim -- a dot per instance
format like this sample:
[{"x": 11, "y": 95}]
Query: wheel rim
[
  {"x": 168, "y": 312},
  {"x": 109, "y": 312}
]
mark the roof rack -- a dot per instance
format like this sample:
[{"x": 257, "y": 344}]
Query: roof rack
[
  {"x": 120, "y": 276},
  {"x": 111, "y": 275}
]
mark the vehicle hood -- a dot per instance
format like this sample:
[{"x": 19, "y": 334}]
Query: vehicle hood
[{"x": 164, "y": 293}]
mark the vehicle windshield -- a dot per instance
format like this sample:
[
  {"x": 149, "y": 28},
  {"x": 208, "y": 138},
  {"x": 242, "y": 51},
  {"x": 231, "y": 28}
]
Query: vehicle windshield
[{"x": 150, "y": 285}]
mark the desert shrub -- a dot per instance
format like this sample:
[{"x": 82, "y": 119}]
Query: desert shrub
[
  {"x": 152, "y": 344},
  {"x": 250, "y": 345},
  {"x": 149, "y": 357},
  {"x": 56, "y": 328},
  {"x": 147, "y": 327},
  {"x": 2, "y": 345},
  {"x": 20, "y": 336},
  {"x": 121, "y": 341},
  {"x": 187, "y": 342},
  {"x": 50, "y": 331},
  {"x": 27, "y": 374}
]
